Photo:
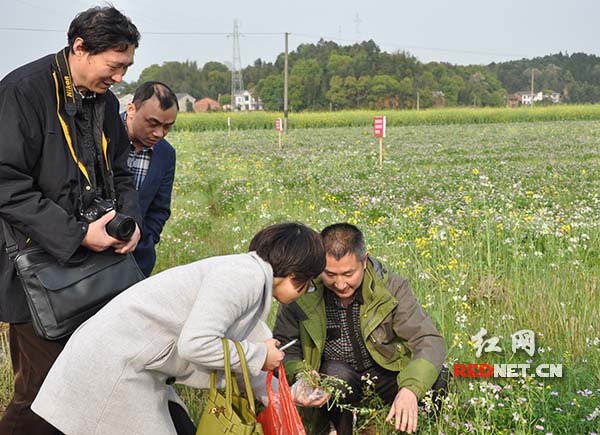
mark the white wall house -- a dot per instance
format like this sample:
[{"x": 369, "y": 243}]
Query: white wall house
[
  {"x": 245, "y": 101},
  {"x": 527, "y": 97},
  {"x": 186, "y": 102},
  {"x": 124, "y": 101}
]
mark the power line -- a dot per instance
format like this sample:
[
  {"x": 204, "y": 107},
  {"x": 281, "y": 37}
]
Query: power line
[
  {"x": 399, "y": 46},
  {"x": 326, "y": 37},
  {"x": 26, "y": 29},
  {"x": 31, "y": 29}
]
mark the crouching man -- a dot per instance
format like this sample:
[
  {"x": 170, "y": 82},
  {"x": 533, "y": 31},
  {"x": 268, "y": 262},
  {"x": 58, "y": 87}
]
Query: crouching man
[{"x": 361, "y": 321}]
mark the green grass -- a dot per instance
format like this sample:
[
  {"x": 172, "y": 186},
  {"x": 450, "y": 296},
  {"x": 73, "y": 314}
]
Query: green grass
[
  {"x": 495, "y": 225},
  {"x": 395, "y": 118}
]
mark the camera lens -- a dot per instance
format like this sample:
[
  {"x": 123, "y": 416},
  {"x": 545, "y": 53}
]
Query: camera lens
[{"x": 121, "y": 227}]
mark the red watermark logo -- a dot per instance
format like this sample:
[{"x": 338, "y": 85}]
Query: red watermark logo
[
  {"x": 523, "y": 340},
  {"x": 507, "y": 370}
]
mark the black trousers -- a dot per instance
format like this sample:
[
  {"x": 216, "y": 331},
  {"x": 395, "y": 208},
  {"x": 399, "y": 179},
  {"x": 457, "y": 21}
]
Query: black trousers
[
  {"x": 32, "y": 358},
  {"x": 385, "y": 387}
]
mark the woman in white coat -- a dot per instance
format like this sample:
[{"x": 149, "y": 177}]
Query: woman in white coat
[{"x": 113, "y": 375}]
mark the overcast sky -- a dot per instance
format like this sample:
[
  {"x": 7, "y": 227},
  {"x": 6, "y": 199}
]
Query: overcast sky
[{"x": 455, "y": 31}]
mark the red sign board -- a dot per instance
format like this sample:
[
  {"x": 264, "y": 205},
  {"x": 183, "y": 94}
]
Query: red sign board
[
  {"x": 379, "y": 126},
  {"x": 278, "y": 124}
]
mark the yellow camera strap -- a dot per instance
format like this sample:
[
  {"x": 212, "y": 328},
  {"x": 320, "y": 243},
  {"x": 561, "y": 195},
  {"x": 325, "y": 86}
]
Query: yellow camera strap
[{"x": 61, "y": 59}]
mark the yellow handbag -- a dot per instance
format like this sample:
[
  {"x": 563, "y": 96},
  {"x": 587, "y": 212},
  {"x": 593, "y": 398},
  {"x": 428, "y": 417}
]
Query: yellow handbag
[{"x": 232, "y": 413}]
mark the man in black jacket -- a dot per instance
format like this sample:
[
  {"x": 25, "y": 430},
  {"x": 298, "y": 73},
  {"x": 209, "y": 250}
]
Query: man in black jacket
[{"x": 62, "y": 145}]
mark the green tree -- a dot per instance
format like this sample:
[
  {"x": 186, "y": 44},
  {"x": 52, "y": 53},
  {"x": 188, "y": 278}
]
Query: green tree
[
  {"x": 451, "y": 86},
  {"x": 340, "y": 65},
  {"x": 338, "y": 93},
  {"x": 305, "y": 83},
  {"x": 270, "y": 91},
  {"x": 406, "y": 93},
  {"x": 180, "y": 76},
  {"x": 384, "y": 92}
]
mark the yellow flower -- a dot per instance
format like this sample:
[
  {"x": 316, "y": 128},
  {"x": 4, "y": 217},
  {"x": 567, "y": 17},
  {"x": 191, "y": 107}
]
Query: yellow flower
[{"x": 475, "y": 171}]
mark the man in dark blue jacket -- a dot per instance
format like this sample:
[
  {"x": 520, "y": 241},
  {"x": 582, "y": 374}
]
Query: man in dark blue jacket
[{"x": 148, "y": 119}]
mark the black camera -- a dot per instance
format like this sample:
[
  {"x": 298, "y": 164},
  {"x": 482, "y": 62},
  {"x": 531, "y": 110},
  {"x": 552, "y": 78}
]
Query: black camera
[{"x": 120, "y": 227}]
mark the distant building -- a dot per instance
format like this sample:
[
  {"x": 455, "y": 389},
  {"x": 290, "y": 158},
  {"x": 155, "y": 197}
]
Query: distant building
[
  {"x": 244, "y": 101},
  {"x": 186, "y": 102},
  {"x": 438, "y": 99},
  {"x": 554, "y": 97},
  {"x": 124, "y": 101},
  {"x": 206, "y": 105},
  {"x": 514, "y": 100},
  {"x": 527, "y": 98}
]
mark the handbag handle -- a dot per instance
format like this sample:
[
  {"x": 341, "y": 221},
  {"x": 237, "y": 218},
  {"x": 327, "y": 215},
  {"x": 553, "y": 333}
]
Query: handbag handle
[
  {"x": 227, "y": 369},
  {"x": 246, "y": 376},
  {"x": 230, "y": 387}
]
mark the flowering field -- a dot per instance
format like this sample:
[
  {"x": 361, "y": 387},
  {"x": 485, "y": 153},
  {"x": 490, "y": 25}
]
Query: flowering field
[
  {"x": 496, "y": 226},
  {"x": 395, "y": 118}
]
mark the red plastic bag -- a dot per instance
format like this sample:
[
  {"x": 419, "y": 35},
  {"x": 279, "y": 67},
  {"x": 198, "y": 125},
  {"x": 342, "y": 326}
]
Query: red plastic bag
[{"x": 281, "y": 415}]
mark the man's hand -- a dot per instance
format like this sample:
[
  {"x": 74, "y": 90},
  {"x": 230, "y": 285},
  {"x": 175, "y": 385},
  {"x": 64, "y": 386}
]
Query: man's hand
[
  {"x": 404, "y": 409},
  {"x": 307, "y": 396},
  {"x": 125, "y": 247},
  {"x": 97, "y": 239}
]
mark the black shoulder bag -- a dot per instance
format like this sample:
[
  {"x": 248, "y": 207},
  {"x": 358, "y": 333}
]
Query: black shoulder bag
[{"x": 63, "y": 296}]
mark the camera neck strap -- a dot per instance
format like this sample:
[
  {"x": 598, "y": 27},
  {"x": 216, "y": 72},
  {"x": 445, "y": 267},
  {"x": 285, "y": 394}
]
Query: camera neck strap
[
  {"x": 66, "y": 109},
  {"x": 10, "y": 245}
]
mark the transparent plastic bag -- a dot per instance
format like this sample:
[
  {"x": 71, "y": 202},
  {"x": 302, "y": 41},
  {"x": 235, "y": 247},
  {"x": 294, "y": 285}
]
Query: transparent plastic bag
[{"x": 303, "y": 392}]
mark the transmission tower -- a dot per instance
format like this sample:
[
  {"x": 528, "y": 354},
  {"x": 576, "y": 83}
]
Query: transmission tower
[
  {"x": 357, "y": 21},
  {"x": 237, "y": 83}
]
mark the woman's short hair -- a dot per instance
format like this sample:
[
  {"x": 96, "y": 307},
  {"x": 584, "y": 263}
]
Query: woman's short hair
[
  {"x": 291, "y": 249},
  {"x": 342, "y": 239}
]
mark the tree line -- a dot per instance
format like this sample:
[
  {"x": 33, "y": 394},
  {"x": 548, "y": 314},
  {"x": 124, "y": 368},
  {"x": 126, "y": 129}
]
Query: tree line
[{"x": 328, "y": 76}]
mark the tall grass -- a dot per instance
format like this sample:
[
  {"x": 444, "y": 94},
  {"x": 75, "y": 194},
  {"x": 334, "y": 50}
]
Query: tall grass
[
  {"x": 496, "y": 226},
  {"x": 364, "y": 118},
  {"x": 6, "y": 373}
]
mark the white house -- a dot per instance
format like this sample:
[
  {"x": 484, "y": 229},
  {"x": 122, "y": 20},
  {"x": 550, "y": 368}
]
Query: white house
[
  {"x": 554, "y": 97},
  {"x": 527, "y": 97},
  {"x": 186, "y": 102},
  {"x": 245, "y": 101},
  {"x": 124, "y": 100}
]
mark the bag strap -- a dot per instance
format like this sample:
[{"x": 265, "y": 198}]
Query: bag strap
[
  {"x": 10, "y": 247},
  {"x": 246, "y": 376},
  {"x": 228, "y": 383},
  {"x": 230, "y": 386}
]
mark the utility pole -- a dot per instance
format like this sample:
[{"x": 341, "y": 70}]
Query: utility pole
[
  {"x": 532, "y": 75},
  {"x": 237, "y": 83},
  {"x": 285, "y": 86}
]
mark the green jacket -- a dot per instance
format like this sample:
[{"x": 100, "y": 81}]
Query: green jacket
[{"x": 398, "y": 334}]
